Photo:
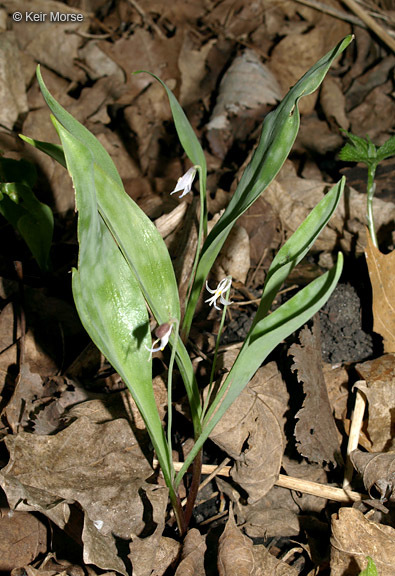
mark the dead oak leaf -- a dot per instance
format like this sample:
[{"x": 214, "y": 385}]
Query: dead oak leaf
[
  {"x": 315, "y": 432},
  {"x": 382, "y": 277}
]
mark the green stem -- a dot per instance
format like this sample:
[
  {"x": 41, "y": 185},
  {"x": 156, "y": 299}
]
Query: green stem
[
  {"x": 169, "y": 397},
  {"x": 210, "y": 386},
  {"x": 371, "y": 187}
]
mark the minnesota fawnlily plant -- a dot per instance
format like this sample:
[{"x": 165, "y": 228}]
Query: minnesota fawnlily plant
[{"x": 125, "y": 274}]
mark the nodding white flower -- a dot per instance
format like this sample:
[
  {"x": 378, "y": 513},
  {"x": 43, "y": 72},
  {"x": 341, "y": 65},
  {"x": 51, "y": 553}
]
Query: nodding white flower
[
  {"x": 162, "y": 333},
  {"x": 222, "y": 287},
  {"x": 185, "y": 182}
]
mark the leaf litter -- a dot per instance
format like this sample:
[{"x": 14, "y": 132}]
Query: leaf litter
[{"x": 73, "y": 443}]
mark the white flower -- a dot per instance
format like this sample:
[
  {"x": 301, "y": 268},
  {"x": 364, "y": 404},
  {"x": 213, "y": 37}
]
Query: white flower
[
  {"x": 185, "y": 182},
  {"x": 223, "y": 286},
  {"x": 163, "y": 334}
]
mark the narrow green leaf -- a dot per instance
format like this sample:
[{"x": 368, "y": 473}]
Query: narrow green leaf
[
  {"x": 297, "y": 246},
  {"x": 265, "y": 336},
  {"x": 98, "y": 152},
  {"x": 23, "y": 210},
  {"x": 107, "y": 294},
  {"x": 186, "y": 134},
  {"x": 53, "y": 150},
  {"x": 279, "y": 131},
  {"x": 139, "y": 240}
]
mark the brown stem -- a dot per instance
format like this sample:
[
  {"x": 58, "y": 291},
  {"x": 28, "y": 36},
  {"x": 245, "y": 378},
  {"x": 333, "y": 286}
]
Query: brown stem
[{"x": 193, "y": 490}]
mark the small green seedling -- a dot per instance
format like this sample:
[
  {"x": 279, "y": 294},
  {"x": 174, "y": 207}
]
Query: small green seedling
[
  {"x": 370, "y": 569},
  {"x": 18, "y": 204},
  {"x": 363, "y": 150},
  {"x": 125, "y": 272}
]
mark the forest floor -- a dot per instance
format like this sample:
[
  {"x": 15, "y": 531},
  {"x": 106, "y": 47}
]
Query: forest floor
[{"x": 80, "y": 492}]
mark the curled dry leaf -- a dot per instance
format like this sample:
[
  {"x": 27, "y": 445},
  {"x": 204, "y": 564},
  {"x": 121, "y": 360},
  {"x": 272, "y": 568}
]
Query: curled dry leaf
[
  {"x": 192, "y": 558},
  {"x": 251, "y": 433},
  {"x": 379, "y": 375},
  {"x": 378, "y": 473},
  {"x": 315, "y": 432},
  {"x": 99, "y": 466},
  {"x": 235, "y": 551},
  {"x": 354, "y": 537},
  {"x": 247, "y": 90},
  {"x": 382, "y": 277}
]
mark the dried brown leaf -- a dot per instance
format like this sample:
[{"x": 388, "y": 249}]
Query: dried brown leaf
[
  {"x": 262, "y": 226},
  {"x": 304, "y": 49},
  {"x": 247, "y": 91},
  {"x": 354, "y": 537},
  {"x": 143, "y": 51},
  {"x": 267, "y": 564},
  {"x": 13, "y": 101},
  {"x": 378, "y": 473},
  {"x": 192, "y": 559},
  {"x": 292, "y": 199},
  {"x": 235, "y": 551},
  {"x": 278, "y": 512},
  {"x": 379, "y": 375},
  {"x": 234, "y": 258},
  {"x": 315, "y": 432},
  {"x": 333, "y": 102},
  {"x": 192, "y": 62},
  {"x": 382, "y": 277},
  {"x": 250, "y": 431},
  {"x": 101, "y": 467},
  {"x": 167, "y": 552},
  {"x": 371, "y": 116},
  {"x": 22, "y": 538},
  {"x": 61, "y": 37},
  {"x": 144, "y": 548}
]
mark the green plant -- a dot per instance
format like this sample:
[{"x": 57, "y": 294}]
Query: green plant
[
  {"x": 19, "y": 205},
  {"x": 124, "y": 269},
  {"x": 370, "y": 569},
  {"x": 363, "y": 150}
]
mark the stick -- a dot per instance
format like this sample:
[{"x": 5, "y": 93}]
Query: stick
[
  {"x": 326, "y": 9},
  {"x": 292, "y": 483},
  {"x": 371, "y": 23},
  {"x": 355, "y": 429}
]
